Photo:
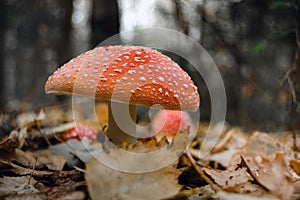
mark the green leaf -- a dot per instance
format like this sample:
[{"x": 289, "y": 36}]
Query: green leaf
[
  {"x": 261, "y": 47},
  {"x": 279, "y": 5}
]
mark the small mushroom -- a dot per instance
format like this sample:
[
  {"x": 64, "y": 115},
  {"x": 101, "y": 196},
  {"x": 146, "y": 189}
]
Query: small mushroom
[
  {"x": 167, "y": 123},
  {"x": 81, "y": 132},
  {"x": 125, "y": 75}
]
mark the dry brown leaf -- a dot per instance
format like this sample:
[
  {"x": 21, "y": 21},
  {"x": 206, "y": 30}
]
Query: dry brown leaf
[
  {"x": 102, "y": 113},
  {"x": 26, "y": 118},
  {"x": 272, "y": 175},
  {"x": 107, "y": 183},
  {"x": 232, "y": 139},
  {"x": 205, "y": 192},
  {"x": 75, "y": 152},
  {"x": 19, "y": 188},
  {"x": 211, "y": 138},
  {"x": 227, "y": 179},
  {"x": 56, "y": 114},
  {"x": 17, "y": 169},
  {"x": 248, "y": 188},
  {"x": 29, "y": 159},
  {"x": 78, "y": 195},
  {"x": 8, "y": 144},
  {"x": 238, "y": 140},
  {"x": 297, "y": 187},
  {"x": 31, "y": 128},
  {"x": 287, "y": 138},
  {"x": 295, "y": 165},
  {"x": 264, "y": 145},
  {"x": 51, "y": 161},
  {"x": 233, "y": 196},
  {"x": 220, "y": 146},
  {"x": 224, "y": 157}
]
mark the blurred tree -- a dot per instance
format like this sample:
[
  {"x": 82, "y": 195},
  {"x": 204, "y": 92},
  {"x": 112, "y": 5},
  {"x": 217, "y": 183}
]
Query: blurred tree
[
  {"x": 252, "y": 43},
  {"x": 180, "y": 18},
  {"x": 105, "y": 20},
  {"x": 2, "y": 28},
  {"x": 34, "y": 41},
  {"x": 64, "y": 48},
  {"x": 290, "y": 10}
]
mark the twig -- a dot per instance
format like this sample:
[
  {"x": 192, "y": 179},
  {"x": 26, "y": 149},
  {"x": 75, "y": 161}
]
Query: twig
[
  {"x": 288, "y": 78},
  {"x": 14, "y": 195},
  {"x": 33, "y": 168},
  {"x": 45, "y": 138},
  {"x": 201, "y": 173},
  {"x": 292, "y": 89},
  {"x": 57, "y": 138},
  {"x": 79, "y": 169}
]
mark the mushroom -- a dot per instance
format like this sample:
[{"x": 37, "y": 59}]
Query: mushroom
[
  {"x": 126, "y": 76},
  {"x": 81, "y": 132},
  {"x": 167, "y": 123}
]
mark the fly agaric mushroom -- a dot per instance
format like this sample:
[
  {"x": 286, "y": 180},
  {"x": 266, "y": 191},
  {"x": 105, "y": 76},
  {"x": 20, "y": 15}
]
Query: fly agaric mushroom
[
  {"x": 81, "y": 132},
  {"x": 131, "y": 75},
  {"x": 167, "y": 123}
]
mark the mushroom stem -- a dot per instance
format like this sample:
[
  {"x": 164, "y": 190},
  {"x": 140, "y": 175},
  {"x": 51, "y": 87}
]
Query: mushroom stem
[{"x": 116, "y": 131}]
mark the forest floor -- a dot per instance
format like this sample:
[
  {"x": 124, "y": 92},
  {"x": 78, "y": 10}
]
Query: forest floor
[{"x": 38, "y": 161}]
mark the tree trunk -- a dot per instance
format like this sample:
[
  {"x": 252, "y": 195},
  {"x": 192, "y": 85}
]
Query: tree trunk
[
  {"x": 105, "y": 20},
  {"x": 2, "y": 28}
]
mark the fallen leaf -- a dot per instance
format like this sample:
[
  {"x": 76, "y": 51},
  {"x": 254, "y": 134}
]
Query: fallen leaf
[
  {"x": 19, "y": 188},
  {"x": 238, "y": 140},
  {"x": 29, "y": 159},
  {"x": 233, "y": 196},
  {"x": 264, "y": 145},
  {"x": 231, "y": 140},
  {"x": 78, "y": 195},
  {"x": 19, "y": 170},
  {"x": 227, "y": 179},
  {"x": 224, "y": 157},
  {"x": 56, "y": 114},
  {"x": 248, "y": 188},
  {"x": 287, "y": 138},
  {"x": 295, "y": 165},
  {"x": 272, "y": 175},
  {"x": 107, "y": 183},
  {"x": 51, "y": 161},
  {"x": 8, "y": 143},
  {"x": 144, "y": 159},
  {"x": 211, "y": 138},
  {"x": 205, "y": 192},
  {"x": 73, "y": 151},
  {"x": 26, "y": 118}
]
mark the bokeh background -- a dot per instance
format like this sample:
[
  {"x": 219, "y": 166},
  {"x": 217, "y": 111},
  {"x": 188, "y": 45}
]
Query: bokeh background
[{"x": 255, "y": 44}]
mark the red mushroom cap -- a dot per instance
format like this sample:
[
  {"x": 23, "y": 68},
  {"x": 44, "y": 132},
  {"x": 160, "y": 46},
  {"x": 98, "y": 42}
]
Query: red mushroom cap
[
  {"x": 81, "y": 132},
  {"x": 167, "y": 123},
  {"x": 129, "y": 74}
]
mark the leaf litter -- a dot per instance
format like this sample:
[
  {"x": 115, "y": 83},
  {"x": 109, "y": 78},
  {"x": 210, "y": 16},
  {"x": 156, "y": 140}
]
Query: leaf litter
[{"x": 36, "y": 162}]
